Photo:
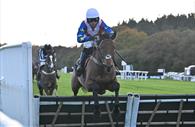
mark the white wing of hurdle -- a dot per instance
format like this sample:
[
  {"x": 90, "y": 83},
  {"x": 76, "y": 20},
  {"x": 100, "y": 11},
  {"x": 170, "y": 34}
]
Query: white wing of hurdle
[
  {"x": 132, "y": 110},
  {"x": 16, "y": 91}
]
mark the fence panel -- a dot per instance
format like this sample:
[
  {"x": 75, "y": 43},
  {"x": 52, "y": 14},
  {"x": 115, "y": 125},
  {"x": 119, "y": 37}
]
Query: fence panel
[{"x": 16, "y": 94}]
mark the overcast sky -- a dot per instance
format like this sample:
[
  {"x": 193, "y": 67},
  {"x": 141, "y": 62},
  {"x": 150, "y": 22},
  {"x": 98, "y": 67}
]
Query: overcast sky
[{"x": 57, "y": 21}]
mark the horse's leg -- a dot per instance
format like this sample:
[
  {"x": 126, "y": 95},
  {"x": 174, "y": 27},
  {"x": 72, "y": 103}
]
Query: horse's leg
[
  {"x": 116, "y": 87},
  {"x": 116, "y": 110},
  {"x": 76, "y": 88},
  {"x": 75, "y": 85},
  {"x": 54, "y": 90},
  {"x": 40, "y": 88},
  {"x": 47, "y": 91},
  {"x": 41, "y": 91},
  {"x": 50, "y": 89},
  {"x": 96, "y": 102},
  {"x": 54, "y": 93}
]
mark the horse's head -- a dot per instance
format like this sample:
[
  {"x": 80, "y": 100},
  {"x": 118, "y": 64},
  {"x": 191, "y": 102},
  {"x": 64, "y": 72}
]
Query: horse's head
[
  {"x": 48, "y": 76},
  {"x": 50, "y": 63},
  {"x": 105, "y": 53}
]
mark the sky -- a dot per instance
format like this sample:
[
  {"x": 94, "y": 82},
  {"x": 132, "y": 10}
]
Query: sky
[{"x": 56, "y": 22}]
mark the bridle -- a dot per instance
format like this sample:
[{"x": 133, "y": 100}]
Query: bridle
[
  {"x": 50, "y": 65},
  {"x": 105, "y": 61}
]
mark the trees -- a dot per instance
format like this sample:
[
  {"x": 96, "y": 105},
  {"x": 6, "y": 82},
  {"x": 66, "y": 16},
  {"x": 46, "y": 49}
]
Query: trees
[
  {"x": 168, "y": 42},
  {"x": 2, "y": 44}
]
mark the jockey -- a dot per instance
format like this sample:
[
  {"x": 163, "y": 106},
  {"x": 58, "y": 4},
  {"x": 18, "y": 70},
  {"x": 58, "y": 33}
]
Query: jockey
[
  {"x": 87, "y": 35},
  {"x": 43, "y": 52}
]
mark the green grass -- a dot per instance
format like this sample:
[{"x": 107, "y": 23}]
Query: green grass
[{"x": 149, "y": 86}]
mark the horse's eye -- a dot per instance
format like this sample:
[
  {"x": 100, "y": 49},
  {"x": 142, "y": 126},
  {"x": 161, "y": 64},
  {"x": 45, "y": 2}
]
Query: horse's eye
[{"x": 108, "y": 57}]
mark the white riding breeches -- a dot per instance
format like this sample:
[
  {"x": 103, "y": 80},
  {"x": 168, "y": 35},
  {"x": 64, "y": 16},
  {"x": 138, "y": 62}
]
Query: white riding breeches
[{"x": 88, "y": 44}]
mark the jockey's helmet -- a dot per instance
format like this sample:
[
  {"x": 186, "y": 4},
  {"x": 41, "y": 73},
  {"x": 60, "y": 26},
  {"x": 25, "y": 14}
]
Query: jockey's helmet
[{"x": 92, "y": 13}]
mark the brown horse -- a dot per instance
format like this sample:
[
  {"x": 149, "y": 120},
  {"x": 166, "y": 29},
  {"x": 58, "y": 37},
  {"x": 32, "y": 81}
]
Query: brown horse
[
  {"x": 99, "y": 74},
  {"x": 47, "y": 80}
]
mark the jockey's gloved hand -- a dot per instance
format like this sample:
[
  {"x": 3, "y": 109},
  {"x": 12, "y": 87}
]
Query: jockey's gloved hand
[
  {"x": 113, "y": 35},
  {"x": 92, "y": 38},
  {"x": 95, "y": 44}
]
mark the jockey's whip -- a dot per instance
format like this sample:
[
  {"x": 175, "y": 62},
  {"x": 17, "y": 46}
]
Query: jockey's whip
[{"x": 120, "y": 56}]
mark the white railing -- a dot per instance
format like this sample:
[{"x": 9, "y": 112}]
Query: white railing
[
  {"x": 179, "y": 76},
  {"x": 16, "y": 92},
  {"x": 133, "y": 75}
]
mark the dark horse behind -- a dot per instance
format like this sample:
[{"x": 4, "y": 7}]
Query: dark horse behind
[
  {"x": 47, "y": 80},
  {"x": 99, "y": 74},
  {"x": 34, "y": 69}
]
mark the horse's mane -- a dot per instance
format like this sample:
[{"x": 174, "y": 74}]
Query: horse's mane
[
  {"x": 106, "y": 43},
  {"x": 106, "y": 46}
]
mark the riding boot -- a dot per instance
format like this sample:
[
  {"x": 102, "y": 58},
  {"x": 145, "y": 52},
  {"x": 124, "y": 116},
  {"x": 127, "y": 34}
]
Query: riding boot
[{"x": 80, "y": 67}]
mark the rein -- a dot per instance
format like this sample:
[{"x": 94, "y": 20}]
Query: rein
[
  {"x": 100, "y": 62},
  {"x": 98, "y": 49},
  {"x": 46, "y": 73}
]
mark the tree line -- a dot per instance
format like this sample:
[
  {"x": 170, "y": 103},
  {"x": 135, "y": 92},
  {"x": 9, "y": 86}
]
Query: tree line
[
  {"x": 168, "y": 42},
  {"x": 163, "y": 23}
]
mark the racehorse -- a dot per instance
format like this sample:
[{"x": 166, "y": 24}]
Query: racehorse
[
  {"x": 99, "y": 74},
  {"x": 47, "y": 80}
]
